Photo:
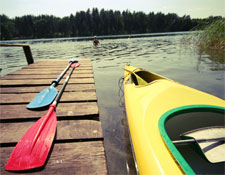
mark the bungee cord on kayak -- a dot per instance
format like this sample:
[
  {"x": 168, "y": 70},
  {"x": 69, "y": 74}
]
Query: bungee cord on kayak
[{"x": 121, "y": 92}]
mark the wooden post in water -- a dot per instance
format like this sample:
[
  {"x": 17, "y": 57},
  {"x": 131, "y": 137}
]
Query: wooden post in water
[
  {"x": 28, "y": 54},
  {"x": 26, "y": 49}
]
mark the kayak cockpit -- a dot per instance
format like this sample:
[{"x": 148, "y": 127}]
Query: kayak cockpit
[
  {"x": 141, "y": 77},
  {"x": 200, "y": 123}
]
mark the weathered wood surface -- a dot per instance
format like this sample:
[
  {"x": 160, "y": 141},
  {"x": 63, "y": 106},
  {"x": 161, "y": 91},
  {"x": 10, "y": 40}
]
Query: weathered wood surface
[
  {"x": 44, "y": 62},
  {"x": 67, "y": 97},
  {"x": 38, "y": 76},
  {"x": 30, "y": 82},
  {"x": 78, "y": 145},
  {"x": 66, "y": 130},
  {"x": 37, "y": 89},
  {"x": 70, "y": 158},
  {"x": 13, "y": 45},
  {"x": 55, "y": 67},
  {"x": 64, "y": 110},
  {"x": 47, "y": 71}
]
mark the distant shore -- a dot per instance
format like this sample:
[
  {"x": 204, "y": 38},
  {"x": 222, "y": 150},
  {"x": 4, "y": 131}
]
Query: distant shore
[
  {"x": 89, "y": 38},
  {"x": 94, "y": 22}
]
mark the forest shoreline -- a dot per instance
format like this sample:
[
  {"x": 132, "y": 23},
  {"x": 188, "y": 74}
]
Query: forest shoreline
[{"x": 100, "y": 23}]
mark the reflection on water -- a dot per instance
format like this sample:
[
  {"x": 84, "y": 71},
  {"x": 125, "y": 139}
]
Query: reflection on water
[
  {"x": 215, "y": 58},
  {"x": 164, "y": 55}
]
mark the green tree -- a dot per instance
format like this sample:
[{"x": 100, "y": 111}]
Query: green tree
[
  {"x": 65, "y": 27},
  {"x": 93, "y": 22},
  {"x": 7, "y": 28},
  {"x": 96, "y": 22}
]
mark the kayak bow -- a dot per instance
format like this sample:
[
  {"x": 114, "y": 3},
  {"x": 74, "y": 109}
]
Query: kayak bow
[{"x": 150, "y": 100}]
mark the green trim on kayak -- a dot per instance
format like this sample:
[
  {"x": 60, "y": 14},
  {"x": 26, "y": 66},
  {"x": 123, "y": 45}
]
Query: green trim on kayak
[{"x": 180, "y": 110}]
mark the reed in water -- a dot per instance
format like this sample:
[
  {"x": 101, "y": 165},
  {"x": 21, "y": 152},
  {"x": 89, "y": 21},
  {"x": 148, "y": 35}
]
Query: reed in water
[{"x": 213, "y": 36}]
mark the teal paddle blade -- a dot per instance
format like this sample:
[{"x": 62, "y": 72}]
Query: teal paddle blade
[{"x": 44, "y": 98}]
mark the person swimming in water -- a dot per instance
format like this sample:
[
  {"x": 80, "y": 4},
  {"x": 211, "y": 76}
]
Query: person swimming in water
[{"x": 95, "y": 42}]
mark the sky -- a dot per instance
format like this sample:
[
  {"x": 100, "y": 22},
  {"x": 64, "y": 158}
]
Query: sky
[{"x": 61, "y": 8}]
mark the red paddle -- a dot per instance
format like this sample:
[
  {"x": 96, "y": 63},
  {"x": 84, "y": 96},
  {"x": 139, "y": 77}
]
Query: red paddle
[{"x": 33, "y": 148}]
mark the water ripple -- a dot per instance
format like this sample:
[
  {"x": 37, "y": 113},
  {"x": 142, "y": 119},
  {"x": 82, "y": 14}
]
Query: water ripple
[{"x": 163, "y": 55}]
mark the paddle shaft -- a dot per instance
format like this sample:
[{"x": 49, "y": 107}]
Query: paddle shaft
[
  {"x": 55, "y": 83},
  {"x": 65, "y": 83},
  {"x": 179, "y": 142}
]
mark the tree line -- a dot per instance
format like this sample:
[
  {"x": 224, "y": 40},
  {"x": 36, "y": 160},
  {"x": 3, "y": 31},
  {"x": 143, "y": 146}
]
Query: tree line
[{"x": 95, "y": 22}]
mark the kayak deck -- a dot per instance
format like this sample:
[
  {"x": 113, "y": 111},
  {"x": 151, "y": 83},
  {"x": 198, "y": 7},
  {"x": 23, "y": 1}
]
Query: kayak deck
[
  {"x": 79, "y": 135},
  {"x": 149, "y": 104}
]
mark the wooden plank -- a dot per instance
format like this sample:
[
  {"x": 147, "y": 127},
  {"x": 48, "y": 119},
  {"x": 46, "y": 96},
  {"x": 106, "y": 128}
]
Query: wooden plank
[
  {"x": 61, "y": 62},
  {"x": 37, "y": 89},
  {"x": 81, "y": 60},
  {"x": 55, "y": 67},
  {"x": 13, "y": 45},
  {"x": 55, "y": 64},
  {"x": 67, "y": 97},
  {"x": 51, "y": 76},
  {"x": 69, "y": 158},
  {"x": 59, "y": 68},
  {"x": 43, "y": 82},
  {"x": 66, "y": 130},
  {"x": 72, "y": 110},
  {"x": 38, "y": 72}
]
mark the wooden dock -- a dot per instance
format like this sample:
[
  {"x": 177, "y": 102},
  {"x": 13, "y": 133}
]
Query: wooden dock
[{"x": 78, "y": 145}]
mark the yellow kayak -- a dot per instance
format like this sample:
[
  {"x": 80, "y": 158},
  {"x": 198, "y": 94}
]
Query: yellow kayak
[{"x": 150, "y": 101}]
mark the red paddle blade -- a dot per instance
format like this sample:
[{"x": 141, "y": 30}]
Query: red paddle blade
[
  {"x": 75, "y": 65},
  {"x": 33, "y": 148}
]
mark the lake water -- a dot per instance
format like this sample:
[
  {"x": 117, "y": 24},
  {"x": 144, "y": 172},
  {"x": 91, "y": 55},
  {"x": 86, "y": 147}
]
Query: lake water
[{"x": 165, "y": 55}]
